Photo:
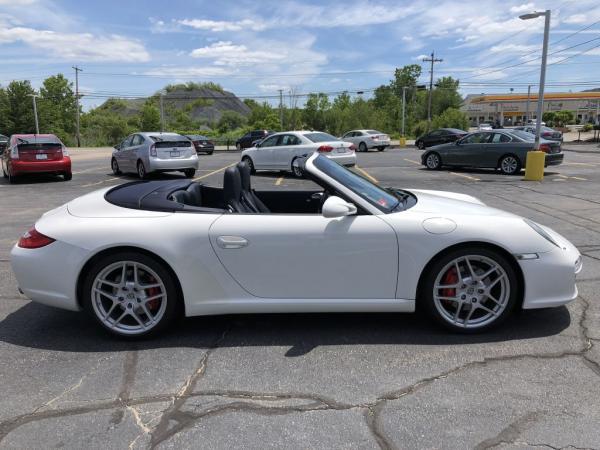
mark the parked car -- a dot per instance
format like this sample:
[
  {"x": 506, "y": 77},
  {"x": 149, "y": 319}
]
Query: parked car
[
  {"x": 439, "y": 136},
  {"x": 347, "y": 245},
  {"x": 144, "y": 153},
  {"x": 250, "y": 138},
  {"x": 546, "y": 132},
  {"x": 499, "y": 149},
  {"x": 201, "y": 143},
  {"x": 281, "y": 151},
  {"x": 35, "y": 153},
  {"x": 367, "y": 139},
  {"x": 485, "y": 126}
]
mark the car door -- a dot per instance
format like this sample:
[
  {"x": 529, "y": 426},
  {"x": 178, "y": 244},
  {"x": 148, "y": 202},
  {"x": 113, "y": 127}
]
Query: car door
[
  {"x": 349, "y": 137},
  {"x": 499, "y": 145},
  {"x": 433, "y": 138},
  {"x": 308, "y": 256},
  {"x": 469, "y": 149},
  {"x": 288, "y": 147},
  {"x": 263, "y": 157},
  {"x": 137, "y": 143},
  {"x": 122, "y": 156}
]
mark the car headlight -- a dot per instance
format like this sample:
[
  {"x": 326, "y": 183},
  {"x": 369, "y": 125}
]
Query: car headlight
[{"x": 539, "y": 230}]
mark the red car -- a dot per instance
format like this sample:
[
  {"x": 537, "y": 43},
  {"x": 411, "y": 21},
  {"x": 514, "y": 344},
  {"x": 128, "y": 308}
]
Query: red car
[{"x": 35, "y": 153}]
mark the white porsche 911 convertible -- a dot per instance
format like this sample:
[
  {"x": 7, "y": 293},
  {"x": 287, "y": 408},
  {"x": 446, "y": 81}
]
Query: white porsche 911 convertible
[{"x": 138, "y": 255}]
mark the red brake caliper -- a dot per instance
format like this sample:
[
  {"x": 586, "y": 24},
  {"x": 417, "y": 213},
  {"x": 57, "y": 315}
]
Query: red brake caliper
[
  {"x": 151, "y": 292},
  {"x": 450, "y": 277}
]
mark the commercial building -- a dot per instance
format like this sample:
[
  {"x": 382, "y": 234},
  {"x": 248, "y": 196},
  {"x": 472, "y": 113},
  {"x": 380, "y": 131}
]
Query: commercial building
[{"x": 515, "y": 109}]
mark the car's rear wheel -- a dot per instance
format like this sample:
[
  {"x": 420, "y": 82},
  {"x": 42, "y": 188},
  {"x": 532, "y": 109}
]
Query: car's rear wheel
[
  {"x": 130, "y": 294},
  {"x": 67, "y": 176},
  {"x": 421, "y": 145},
  {"x": 433, "y": 161},
  {"x": 209, "y": 153},
  {"x": 189, "y": 173},
  {"x": 509, "y": 164},
  {"x": 249, "y": 163},
  {"x": 4, "y": 174},
  {"x": 114, "y": 165},
  {"x": 363, "y": 147},
  {"x": 141, "y": 170},
  {"x": 470, "y": 289},
  {"x": 296, "y": 169}
]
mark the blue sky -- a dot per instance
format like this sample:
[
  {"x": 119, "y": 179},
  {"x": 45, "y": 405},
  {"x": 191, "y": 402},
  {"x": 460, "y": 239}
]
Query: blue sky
[{"x": 254, "y": 48}]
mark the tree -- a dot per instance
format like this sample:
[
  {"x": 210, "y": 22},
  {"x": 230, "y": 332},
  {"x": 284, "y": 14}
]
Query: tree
[
  {"x": 230, "y": 120},
  {"x": 57, "y": 108},
  {"x": 6, "y": 123},
  {"x": 451, "y": 118},
  {"x": 445, "y": 95},
  {"x": 149, "y": 117},
  {"x": 562, "y": 118},
  {"x": 263, "y": 117},
  {"x": 20, "y": 107},
  {"x": 315, "y": 111}
]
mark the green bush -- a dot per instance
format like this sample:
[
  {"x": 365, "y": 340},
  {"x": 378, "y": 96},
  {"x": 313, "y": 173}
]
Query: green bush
[{"x": 588, "y": 127}]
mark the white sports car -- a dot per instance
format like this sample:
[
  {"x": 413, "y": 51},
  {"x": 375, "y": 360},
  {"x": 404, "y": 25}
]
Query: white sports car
[{"x": 138, "y": 255}]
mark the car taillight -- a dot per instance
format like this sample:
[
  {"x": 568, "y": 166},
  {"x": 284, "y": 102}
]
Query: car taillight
[
  {"x": 352, "y": 147},
  {"x": 34, "y": 239},
  {"x": 65, "y": 152},
  {"x": 152, "y": 150},
  {"x": 325, "y": 149},
  {"x": 544, "y": 148}
]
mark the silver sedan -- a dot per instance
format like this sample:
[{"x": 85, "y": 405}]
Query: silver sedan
[
  {"x": 367, "y": 139},
  {"x": 148, "y": 152}
]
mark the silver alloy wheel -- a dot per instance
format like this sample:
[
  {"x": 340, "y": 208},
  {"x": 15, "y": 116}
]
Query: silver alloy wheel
[
  {"x": 296, "y": 169},
  {"x": 432, "y": 161},
  {"x": 129, "y": 297},
  {"x": 509, "y": 164},
  {"x": 141, "y": 170},
  {"x": 471, "y": 291},
  {"x": 115, "y": 167}
]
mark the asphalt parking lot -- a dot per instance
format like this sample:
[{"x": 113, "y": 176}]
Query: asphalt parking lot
[{"x": 311, "y": 381}]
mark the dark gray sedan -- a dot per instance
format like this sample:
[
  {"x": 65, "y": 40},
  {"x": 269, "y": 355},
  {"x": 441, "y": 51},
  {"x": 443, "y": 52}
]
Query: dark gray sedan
[{"x": 498, "y": 149}]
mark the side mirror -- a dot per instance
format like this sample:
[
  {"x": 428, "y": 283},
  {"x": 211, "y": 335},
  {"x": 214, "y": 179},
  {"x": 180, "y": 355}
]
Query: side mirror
[
  {"x": 337, "y": 207},
  {"x": 117, "y": 147}
]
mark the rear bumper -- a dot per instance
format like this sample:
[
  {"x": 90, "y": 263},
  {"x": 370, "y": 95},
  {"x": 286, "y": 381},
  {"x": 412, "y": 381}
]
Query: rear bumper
[
  {"x": 344, "y": 160},
  {"x": 24, "y": 167},
  {"x": 554, "y": 159},
  {"x": 375, "y": 144},
  {"x": 173, "y": 164}
]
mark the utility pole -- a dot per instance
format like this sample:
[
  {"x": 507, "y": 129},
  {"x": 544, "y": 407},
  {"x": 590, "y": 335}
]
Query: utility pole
[
  {"x": 404, "y": 88},
  {"x": 37, "y": 125},
  {"x": 527, "y": 109},
  {"x": 281, "y": 108},
  {"x": 162, "y": 113},
  {"x": 432, "y": 60},
  {"x": 77, "y": 135}
]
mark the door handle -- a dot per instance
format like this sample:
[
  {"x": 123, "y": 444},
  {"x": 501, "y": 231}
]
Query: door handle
[{"x": 231, "y": 242}]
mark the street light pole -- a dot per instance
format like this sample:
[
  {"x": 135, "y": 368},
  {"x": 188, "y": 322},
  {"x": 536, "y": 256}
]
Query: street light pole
[
  {"x": 404, "y": 88},
  {"x": 37, "y": 126},
  {"x": 527, "y": 109},
  {"x": 540, "y": 105}
]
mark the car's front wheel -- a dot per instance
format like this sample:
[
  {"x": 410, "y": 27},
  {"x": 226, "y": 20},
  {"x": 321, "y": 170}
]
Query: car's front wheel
[
  {"x": 114, "y": 165},
  {"x": 130, "y": 294},
  {"x": 510, "y": 164},
  {"x": 470, "y": 289},
  {"x": 433, "y": 161},
  {"x": 296, "y": 169}
]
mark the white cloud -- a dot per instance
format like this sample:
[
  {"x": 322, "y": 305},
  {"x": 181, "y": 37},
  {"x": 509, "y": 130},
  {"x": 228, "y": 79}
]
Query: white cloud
[
  {"x": 77, "y": 46},
  {"x": 513, "y": 48},
  {"x": 187, "y": 72},
  {"x": 576, "y": 18},
  {"x": 226, "y": 53},
  {"x": 222, "y": 25},
  {"x": 526, "y": 7}
]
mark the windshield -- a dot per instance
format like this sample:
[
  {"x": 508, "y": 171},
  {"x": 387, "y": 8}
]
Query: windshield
[
  {"x": 386, "y": 201},
  {"x": 524, "y": 135},
  {"x": 320, "y": 137}
]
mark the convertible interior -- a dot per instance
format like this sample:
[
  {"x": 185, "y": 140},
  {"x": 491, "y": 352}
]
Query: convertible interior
[{"x": 236, "y": 196}]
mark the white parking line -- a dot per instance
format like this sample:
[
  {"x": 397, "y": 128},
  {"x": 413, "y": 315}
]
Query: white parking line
[
  {"x": 466, "y": 176},
  {"x": 412, "y": 161},
  {"x": 100, "y": 182}
]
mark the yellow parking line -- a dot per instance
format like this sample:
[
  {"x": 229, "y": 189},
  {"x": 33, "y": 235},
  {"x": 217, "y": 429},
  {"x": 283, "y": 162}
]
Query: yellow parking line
[
  {"x": 579, "y": 178},
  {"x": 412, "y": 161},
  {"x": 367, "y": 174},
  {"x": 214, "y": 172},
  {"x": 466, "y": 176},
  {"x": 279, "y": 181}
]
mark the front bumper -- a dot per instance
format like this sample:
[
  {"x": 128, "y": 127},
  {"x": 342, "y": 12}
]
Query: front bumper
[
  {"x": 23, "y": 167},
  {"x": 157, "y": 164},
  {"x": 550, "y": 279},
  {"x": 348, "y": 159}
]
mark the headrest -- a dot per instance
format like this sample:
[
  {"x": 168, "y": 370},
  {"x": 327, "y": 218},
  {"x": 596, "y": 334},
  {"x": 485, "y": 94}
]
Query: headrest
[
  {"x": 232, "y": 184},
  {"x": 244, "y": 170}
]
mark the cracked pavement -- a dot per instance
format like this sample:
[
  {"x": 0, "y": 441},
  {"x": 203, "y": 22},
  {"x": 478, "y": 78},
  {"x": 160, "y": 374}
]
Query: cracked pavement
[{"x": 312, "y": 381}]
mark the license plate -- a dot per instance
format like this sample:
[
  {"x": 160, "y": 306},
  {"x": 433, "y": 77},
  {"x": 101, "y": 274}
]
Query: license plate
[
  {"x": 174, "y": 154},
  {"x": 341, "y": 150},
  {"x": 41, "y": 156}
]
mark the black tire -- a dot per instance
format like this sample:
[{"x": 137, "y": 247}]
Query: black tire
[
  {"x": 174, "y": 305},
  {"x": 380, "y": 149},
  {"x": 363, "y": 147},
  {"x": 249, "y": 163},
  {"x": 67, "y": 176},
  {"x": 114, "y": 165},
  {"x": 426, "y": 295},
  {"x": 189, "y": 173},
  {"x": 433, "y": 161},
  {"x": 141, "y": 170},
  {"x": 296, "y": 170},
  {"x": 209, "y": 153},
  {"x": 420, "y": 145},
  {"x": 509, "y": 164}
]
